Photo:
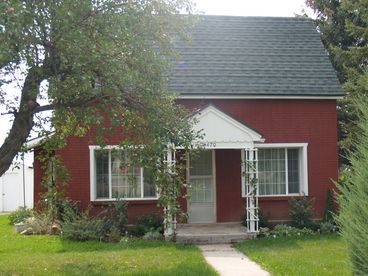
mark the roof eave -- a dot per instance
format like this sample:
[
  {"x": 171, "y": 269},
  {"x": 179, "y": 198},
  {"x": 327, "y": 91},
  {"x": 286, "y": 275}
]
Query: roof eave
[{"x": 294, "y": 97}]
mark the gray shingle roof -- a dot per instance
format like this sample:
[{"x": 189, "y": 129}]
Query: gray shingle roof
[{"x": 254, "y": 56}]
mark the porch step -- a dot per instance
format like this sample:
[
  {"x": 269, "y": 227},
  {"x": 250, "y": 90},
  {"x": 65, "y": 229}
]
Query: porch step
[{"x": 217, "y": 233}]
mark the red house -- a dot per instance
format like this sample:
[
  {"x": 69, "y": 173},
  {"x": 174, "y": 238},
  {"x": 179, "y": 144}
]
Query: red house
[{"x": 267, "y": 95}]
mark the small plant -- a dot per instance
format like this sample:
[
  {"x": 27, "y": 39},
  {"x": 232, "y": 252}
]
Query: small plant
[
  {"x": 264, "y": 232},
  {"x": 148, "y": 223},
  {"x": 283, "y": 230},
  {"x": 83, "y": 228},
  {"x": 330, "y": 209},
  {"x": 40, "y": 224},
  {"x": 20, "y": 215},
  {"x": 263, "y": 218},
  {"x": 152, "y": 235},
  {"x": 115, "y": 217},
  {"x": 301, "y": 212},
  {"x": 327, "y": 227}
]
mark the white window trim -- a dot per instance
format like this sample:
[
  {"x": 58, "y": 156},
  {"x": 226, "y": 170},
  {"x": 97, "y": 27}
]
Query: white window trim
[
  {"x": 93, "y": 195},
  {"x": 303, "y": 165}
]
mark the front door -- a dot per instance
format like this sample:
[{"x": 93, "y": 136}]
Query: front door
[{"x": 201, "y": 203}]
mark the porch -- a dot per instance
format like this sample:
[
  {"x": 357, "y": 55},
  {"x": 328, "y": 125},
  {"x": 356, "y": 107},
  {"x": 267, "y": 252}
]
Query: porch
[{"x": 213, "y": 233}]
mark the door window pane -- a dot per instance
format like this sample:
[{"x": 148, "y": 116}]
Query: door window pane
[{"x": 201, "y": 164}]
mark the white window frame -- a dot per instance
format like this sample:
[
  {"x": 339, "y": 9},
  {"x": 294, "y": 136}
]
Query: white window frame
[
  {"x": 303, "y": 166},
  {"x": 92, "y": 177}
]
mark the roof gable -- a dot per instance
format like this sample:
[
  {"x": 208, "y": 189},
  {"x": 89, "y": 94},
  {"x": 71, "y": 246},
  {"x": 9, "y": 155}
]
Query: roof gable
[
  {"x": 254, "y": 56},
  {"x": 222, "y": 131}
]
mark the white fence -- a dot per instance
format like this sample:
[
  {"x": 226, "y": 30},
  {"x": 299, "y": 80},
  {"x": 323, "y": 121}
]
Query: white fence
[{"x": 16, "y": 189}]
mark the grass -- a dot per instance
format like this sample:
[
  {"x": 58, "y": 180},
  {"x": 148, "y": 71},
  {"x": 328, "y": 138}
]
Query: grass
[
  {"x": 51, "y": 255},
  {"x": 312, "y": 255}
]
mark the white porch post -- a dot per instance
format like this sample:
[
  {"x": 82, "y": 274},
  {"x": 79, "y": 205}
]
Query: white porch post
[
  {"x": 169, "y": 220},
  {"x": 250, "y": 187}
]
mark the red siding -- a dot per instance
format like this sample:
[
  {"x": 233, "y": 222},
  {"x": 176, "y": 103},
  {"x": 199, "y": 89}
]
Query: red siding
[{"x": 279, "y": 121}]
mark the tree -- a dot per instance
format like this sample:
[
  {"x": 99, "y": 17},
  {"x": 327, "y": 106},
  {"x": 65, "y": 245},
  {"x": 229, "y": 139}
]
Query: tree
[
  {"x": 353, "y": 198},
  {"x": 88, "y": 59},
  {"x": 343, "y": 26}
]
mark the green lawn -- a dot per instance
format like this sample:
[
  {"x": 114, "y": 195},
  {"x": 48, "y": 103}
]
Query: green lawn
[
  {"x": 314, "y": 255},
  {"x": 50, "y": 255}
]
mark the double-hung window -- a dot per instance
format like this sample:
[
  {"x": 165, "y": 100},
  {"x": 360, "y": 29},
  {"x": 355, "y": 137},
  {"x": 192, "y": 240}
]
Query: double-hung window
[
  {"x": 282, "y": 170},
  {"x": 113, "y": 176}
]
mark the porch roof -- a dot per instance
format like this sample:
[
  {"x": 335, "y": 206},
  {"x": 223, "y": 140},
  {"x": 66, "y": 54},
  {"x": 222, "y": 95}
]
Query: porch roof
[{"x": 221, "y": 131}]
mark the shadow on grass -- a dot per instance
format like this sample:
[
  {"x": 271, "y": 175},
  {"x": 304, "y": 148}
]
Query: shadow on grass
[
  {"x": 286, "y": 243},
  {"x": 98, "y": 269},
  {"x": 129, "y": 244}
]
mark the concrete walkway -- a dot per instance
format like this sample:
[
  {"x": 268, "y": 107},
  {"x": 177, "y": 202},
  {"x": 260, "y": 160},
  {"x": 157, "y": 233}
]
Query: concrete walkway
[{"x": 230, "y": 262}]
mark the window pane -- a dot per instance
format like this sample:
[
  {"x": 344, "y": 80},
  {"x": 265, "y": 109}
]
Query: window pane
[
  {"x": 271, "y": 171},
  {"x": 102, "y": 173},
  {"x": 201, "y": 190},
  {"x": 293, "y": 171},
  {"x": 202, "y": 163},
  {"x": 149, "y": 188},
  {"x": 125, "y": 179}
]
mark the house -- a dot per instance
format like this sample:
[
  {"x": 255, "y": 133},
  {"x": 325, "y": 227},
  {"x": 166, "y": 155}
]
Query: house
[
  {"x": 267, "y": 95},
  {"x": 16, "y": 188}
]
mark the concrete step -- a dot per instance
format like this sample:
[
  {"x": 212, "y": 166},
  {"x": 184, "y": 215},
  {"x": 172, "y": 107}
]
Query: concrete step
[
  {"x": 212, "y": 238},
  {"x": 214, "y": 233}
]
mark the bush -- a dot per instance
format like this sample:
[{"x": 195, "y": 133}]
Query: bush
[
  {"x": 20, "y": 215},
  {"x": 330, "y": 209},
  {"x": 327, "y": 227},
  {"x": 263, "y": 218},
  {"x": 40, "y": 224},
  {"x": 283, "y": 230},
  {"x": 115, "y": 218},
  {"x": 301, "y": 212},
  {"x": 148, "y": 223},
  {"x": 152, "y": 235},
  {"x": 110, "y": 226},
  {"x": 83, "y": 228}
]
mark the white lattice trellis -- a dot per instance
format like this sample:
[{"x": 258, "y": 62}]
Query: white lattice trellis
[{"x": 250, "y": 187}]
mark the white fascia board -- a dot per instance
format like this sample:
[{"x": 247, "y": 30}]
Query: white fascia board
[
  {"x": 256, "y": 137},
  {"x": 281, "y": 145},
  {"x": 202, "y": 97}
]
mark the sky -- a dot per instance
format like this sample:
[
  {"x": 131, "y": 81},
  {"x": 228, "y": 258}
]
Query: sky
[{"x": 282, "y": 8}]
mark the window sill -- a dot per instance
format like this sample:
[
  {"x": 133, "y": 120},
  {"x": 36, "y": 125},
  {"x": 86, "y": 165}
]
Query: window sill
[
  {"x": 134, "y": 201},
  {"x": 277, "y": 197}
]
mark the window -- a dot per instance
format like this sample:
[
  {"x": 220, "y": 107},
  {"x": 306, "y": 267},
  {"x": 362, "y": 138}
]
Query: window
[
  {"x": 282, "y": 171},
  {"x": 112, "y": 176}
]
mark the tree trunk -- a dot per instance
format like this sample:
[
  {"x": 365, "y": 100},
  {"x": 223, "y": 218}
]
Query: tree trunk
[{"x": 23, "y": 120}]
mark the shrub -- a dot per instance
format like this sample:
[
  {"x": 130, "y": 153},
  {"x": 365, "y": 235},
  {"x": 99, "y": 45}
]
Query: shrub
[
  {"x": 263, "y": 218},
  {"x": 110, "y": 226},
  {"x": 115, "y": 218},
  {"x": 283, "y": 230},
  {"x": 330, "y": 209},
  {"x": 148, "y": 223},
  {"x": 20, "y": 215},
  {"x": 152, "y": 235},
  {"x": 40, "y": 224},
  {"x": 301, "y": 212},
  {"x": 327, "y": 227},
  {"x": 82, "y": 229}
]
